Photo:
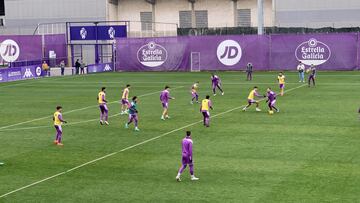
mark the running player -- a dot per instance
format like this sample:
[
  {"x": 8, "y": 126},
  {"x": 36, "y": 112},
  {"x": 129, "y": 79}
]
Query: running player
[
  {"x": 104, "y": 111},
  {"x": 206, "y": 105},
  {"x": 133, "y": 114},
  {"x": 312, "y": 75},
  {"x": 194, "y": 93},
  {"x": 281, "y": 79},
  {"x": 271, "y": 100},
  {"x": 164, "y": 98},
  {"x": 125, "y": 100},
  {"x": 216, "y": 83},
  {"x": 251, "y": 99},
  {"x": 58, "y": 121},
  {"x": 187, "y": 157}
]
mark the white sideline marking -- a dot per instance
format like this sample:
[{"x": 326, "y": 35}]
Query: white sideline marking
[
  {"x": 75, "y": 110},
  {"x": 127, "y": 148}
]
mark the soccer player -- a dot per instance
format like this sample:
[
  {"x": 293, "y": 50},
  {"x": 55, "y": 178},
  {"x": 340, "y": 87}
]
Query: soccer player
[
  {"x": 281, "y": 79},
  {"x": 301, "y": 69},
  {"x": 249, "y": 71},
  {"x": 194, "y": 93},
  {"x": 125, "y": 100},
  {"x": 58, "y": 121},
  {"x": 206, "y": 105},
  {"x": 271, "y": 100},
  {"x": 312, "y": 75},
  {"x": 133, "y": 114},
  {"x": 164, "y": 98},
  {"x": 251, "y": 99},
  {"x": 216, "y": 83},
  {"x": 187, "y": 157},
  {"x": 104, "y": 111}
]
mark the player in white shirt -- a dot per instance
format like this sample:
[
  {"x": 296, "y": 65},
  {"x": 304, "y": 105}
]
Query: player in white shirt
[{"x": 301, "y": 69}]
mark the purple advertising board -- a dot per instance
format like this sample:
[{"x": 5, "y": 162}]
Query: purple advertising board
[
  {"x": 269, "y": 52},
  {"x": 20, "y": 73},
  {"x": 56, "y": 43},
  {"x": 99, "y": 68},
  {"x": 100, "y": 32},
  {"x": 20, "y": 48}
]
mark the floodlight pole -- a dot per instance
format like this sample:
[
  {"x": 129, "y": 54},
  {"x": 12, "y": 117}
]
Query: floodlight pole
[{"x": 260, "y": 17}]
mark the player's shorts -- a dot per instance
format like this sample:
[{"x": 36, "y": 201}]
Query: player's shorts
[
  {"x": 194, "y": 94},
  {"x": 252, "y": 101},
  {"x": 282, "y": 86},
  {"x": 133, "y": 117},
  {"x": 125, "y": 102},
  {"x": 206, "y": 114},
  {"x": 272, "y": 103},
  {"x": 58, "y": 128},
  {"x": 165, "y": 105},
  {"x": 103, "y": 108},
  {"x": 186, "y": 160}
]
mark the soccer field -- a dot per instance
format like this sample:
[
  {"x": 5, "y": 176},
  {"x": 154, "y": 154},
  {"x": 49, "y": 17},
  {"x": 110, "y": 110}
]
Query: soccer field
[{"x": 309, "y": 152}]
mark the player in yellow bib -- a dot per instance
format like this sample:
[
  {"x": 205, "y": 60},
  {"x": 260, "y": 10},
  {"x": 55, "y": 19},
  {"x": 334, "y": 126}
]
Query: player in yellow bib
[
  {"x": 281, "y": 79},
  {"x": 251, "y": 99},
  {"x": 125, "y": 104},
  {"x": 104, "y": 111},
  {"x": 58, "y": 121},
  {"x": 206, "y": 105},
  {"x": 194, "y": 93}
]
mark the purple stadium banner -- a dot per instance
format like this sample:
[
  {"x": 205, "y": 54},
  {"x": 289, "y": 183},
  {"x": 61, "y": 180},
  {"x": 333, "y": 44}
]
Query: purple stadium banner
[
  {"x": 56, "y": 43},
  {"x": 270, "y": 52},
  {"x": 99, "y": 68},
  {"x": 20, "y": 48},
  {"x": 20, "y": 73}
]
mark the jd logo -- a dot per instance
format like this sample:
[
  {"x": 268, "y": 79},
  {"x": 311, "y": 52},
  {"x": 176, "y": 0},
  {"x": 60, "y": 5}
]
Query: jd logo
[
  {"x": 229, "y": 52},
  {"x": 9, "y": 50}
]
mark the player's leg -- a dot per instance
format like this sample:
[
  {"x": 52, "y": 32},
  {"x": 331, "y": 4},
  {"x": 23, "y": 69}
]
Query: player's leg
[
  {"x": 56, "y": 135},
  {"x": 273, "y": 106},
  {"x": 214, "y": 89},
  {"x": 197, "y": 97},
  {"x": 247, "y": 106},
  {"x": 136, "y": 120},
  {"x": 219, "y": 87},
  {"x": 106, "y": 114},
  {"x": 101, "y": 114},
  {"x": 282, "y": 86},
  {"x": 207, "y": 118},
  {"x": 309, "y": 79},
  {"x": 191, "y": 166},
  {"x": 313, "y": 80},
  {"x": 165, "y": 111},
  {"x": 59, "y": 136},
  {"x": 130, "y": 120},
  {"x": 257, "y": 106}
]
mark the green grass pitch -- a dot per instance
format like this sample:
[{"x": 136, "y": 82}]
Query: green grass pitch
[{"x": 309, "y": 152}]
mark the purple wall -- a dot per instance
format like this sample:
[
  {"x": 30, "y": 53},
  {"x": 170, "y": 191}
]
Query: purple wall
[
  {"x": 20, "y": 48},
  {"x": 272, "y": 52},
  {"x": 56, "y": 43}
]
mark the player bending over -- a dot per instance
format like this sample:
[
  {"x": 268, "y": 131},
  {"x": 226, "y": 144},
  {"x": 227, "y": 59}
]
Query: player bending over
[
  {"x": 271, "y": 100},
  {"x": 104, "y": 111},
  {"x": 251, "y": 99},
  {"x": 187, "y": 157},
  {"x": 312, "y": 75},
  {"x": 216, "y": 83},
  {"x": 58, "y": 121},
  {"x": 164, "y": 98},
  {"x": 194, "y": 93},
  {"x": 281, "y": 80},
  {"x": 133, "y": 114},
  {"x": 206, "y": 105},
  {"x": 125, "y": 100}
]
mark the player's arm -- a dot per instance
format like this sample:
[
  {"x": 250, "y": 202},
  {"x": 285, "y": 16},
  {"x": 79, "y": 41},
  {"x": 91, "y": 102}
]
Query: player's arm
[
  {"x": 210, "y": 106},
  {"x": 61, "y": 119},
  {"x": 103, "y": 98},
  {"x": 190, "y": 152}
]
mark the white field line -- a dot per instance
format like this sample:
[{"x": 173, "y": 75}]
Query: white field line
[
  {"x": 124, "y": 149},
  {"x": 76, "y": 110}
]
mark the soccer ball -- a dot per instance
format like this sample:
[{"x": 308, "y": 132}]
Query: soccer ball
[
  {"x": 308, "y": 70},
  {"x": 271, "y": 112}
]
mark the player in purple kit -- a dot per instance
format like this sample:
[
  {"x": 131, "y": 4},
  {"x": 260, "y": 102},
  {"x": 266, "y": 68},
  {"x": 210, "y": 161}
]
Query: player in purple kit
[
  {"x": 187, "y": 157},
  {"x": 216, "y": 83},
  {"x": 312, "y": 76},
  {"x": 58, "y": 121},
  {"x": 271, "y": 100},
  {"x": 164, "y": 98},
  {"x": 206, "y": 105},
  {"x": 104, "y": 111}
]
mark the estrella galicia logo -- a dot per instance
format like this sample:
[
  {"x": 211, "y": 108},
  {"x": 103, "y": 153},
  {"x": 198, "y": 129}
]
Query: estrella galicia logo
[
  {"x": 38, "y": 71},
  {"x": 152, "y": 55},
  {"x": 313, "y": 52},
  {"x": 83, "y": 33},
  {"x": 107, "y": 68},
  {"x": 28, "y": 73},
  {"x": 229, "y": 52},
  {"x": 9, "y": 50},
  {"x": 111, "y": 33}
]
